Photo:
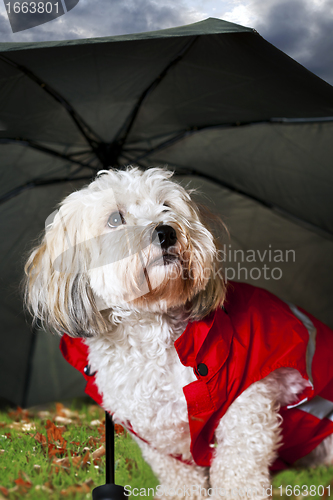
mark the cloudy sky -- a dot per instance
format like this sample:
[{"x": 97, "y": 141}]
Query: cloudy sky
[{"x": 301, "y": 28}]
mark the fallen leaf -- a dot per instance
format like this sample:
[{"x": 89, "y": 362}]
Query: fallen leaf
[
  {"x": 43, "y": 415},
  {"x": 62, "y": 411},
  {"x": 63, "y": 420},
  {"x": 23, "y": 485},
  {"x": 19, "y": 414},
  {"x": 49, "y": 485},
  {"x": 4, "y": 491},
  {"x": 98, "y": 453},
  {"x": 40, "y": 438},
  {"x": 62, "y": 462},
  {"x": 54, "y": 433},
  {"x": 56, "y": 450},
  {"x": 23, "y": 426},
  {"x": 119, "y": 429},
  {"x": 130, "y": 463},
  {"x": 85, "y": 459},
  {"x": 95, "y": 423},
  {"x": 42, "y": 487},
  {"x": 92, "y": 440},
  {"x": 75, "y": 488}
]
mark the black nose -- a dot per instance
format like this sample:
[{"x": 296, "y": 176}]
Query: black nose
[{"x": 167, "y": 236}]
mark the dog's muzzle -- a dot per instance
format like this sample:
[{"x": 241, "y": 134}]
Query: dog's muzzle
[{"x": 165, "y": 236}]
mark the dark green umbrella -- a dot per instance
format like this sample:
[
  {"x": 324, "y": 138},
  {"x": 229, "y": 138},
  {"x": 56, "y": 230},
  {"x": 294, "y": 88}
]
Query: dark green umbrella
[{"x": 214, "y": 101}]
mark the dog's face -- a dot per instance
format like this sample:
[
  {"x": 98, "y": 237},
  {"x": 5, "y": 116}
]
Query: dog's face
[{"x": 132, "y": 240}]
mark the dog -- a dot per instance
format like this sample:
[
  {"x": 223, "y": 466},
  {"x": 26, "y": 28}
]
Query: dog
[{"x": 213, "y": 380}]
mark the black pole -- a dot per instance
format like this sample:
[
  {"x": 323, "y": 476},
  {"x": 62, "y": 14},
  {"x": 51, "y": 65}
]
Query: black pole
[
  {"x": 109, "y": 491},
  {"x": 109, "y": 449}
]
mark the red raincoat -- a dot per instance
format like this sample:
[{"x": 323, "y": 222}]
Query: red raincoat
[{"x": 231, "y": 349}]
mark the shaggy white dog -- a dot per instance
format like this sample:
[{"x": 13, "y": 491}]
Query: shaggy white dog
[{"x": 125, "y": 264}]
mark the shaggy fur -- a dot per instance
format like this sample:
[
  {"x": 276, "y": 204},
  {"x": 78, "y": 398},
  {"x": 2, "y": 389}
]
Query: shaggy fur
[{"x": 102, "y": 272}]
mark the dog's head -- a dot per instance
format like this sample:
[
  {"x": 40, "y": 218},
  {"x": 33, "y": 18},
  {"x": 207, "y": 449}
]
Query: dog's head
[{"x": 131, "y": 240}]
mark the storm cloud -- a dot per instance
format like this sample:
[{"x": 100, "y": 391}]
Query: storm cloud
[
  {"x": 302, "y": 29},
  {"x": 96, "y": 18}
]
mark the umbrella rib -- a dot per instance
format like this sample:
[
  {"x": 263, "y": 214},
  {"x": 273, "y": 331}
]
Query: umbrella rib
[
  {"x": 193, "y": 130},
  {"x": 43, "y": 149},
  {"x": 180, "y": 170},
  {"x": 127, "y": 126},
  {"x": 90, "y": 136}
]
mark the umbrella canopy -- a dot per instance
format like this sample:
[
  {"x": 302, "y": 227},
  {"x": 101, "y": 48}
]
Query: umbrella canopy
[{"x": 230, "y": 113}]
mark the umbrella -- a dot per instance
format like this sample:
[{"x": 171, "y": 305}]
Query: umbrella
[{"x": 230, "y": 113}]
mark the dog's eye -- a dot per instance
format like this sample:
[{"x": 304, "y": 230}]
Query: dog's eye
[
  {"x": 115, "y": 219},
  {"x": 167, "y": 207}
]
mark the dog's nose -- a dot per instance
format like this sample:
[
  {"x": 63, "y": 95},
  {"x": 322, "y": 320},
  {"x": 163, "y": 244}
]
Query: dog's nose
[{"x": 167, "y": 236}]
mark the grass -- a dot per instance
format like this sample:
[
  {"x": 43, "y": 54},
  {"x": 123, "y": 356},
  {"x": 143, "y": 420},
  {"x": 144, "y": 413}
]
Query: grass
[{"x": 59, "y": 453}]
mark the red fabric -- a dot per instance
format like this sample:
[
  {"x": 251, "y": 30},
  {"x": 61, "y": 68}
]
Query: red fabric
[
  {"x": 75, "y": 352},
  {"x": 257, "y": 335}
]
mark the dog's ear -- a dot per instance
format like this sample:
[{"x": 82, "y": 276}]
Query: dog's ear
[
  {"x": 57, "y": 290},
  {"x": 213, "y": 295}
]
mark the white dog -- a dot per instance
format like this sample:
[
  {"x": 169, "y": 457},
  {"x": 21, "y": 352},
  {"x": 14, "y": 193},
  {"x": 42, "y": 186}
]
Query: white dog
[{"x": 129, "y": 268}]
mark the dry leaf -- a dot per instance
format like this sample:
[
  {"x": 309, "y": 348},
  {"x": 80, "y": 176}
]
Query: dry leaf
[
  {"x": 119, "y": 429},
  {"x": 42, "y": 487},
  {"x": 43, "y": 415},
  {"x": 56, "y": 450},
  {"x": 89, "y": 482},
  {"x": 4, "y": 491},
  {"x": 95, "y": 423},
  {"x": 75, "y": 488},
  {"x": 92, "y": 440},
  {"x": 23, "y": 485},
  {"x": 130, "y": 463},
  {"x": 19, "y": 414},
  {"x": 40, "y": 438},
  {"x": 98, "y": 453},
  {"x": 63, "y": 420},
  {"x": 63, "y": 462},
  {"x": 54, "y": 433},
  {"x": 23, "y": 426}
]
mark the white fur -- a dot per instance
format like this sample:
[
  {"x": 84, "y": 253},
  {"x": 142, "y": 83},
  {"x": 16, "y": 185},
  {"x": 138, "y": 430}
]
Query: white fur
[{"x": 84, "y": 265}]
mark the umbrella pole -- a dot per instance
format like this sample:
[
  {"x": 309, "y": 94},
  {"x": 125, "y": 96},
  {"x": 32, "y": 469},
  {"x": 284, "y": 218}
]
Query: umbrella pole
[
  {"x": 109, "y": 449},
  {"x": 109, "y": 491}
]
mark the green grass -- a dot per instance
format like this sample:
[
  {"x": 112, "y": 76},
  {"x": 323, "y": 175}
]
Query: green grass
[
  {"x": 31, "y": 470},
  {"x": 303, "y": 479},
  {"x": 43, "y": 456}
]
